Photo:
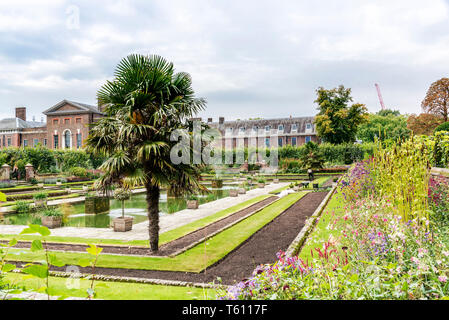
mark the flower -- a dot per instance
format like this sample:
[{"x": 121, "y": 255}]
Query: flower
[{"x": 442, "y": 278}]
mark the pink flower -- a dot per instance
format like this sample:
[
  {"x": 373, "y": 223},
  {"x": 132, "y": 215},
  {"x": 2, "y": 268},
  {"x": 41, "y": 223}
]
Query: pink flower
[{"x": 442, "y": 278}]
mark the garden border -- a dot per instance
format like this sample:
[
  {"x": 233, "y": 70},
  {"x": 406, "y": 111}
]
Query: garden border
[{"x": 297, "y": 243}]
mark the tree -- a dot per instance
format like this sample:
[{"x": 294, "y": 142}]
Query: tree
[
  {"x": 144, "y": 104},
  {"x": 423, "y": 124},
  {"x": 437, "y": 99},
  {"x": 386, "y": 124},
  {"x": 442, "y": 127},
  {"x": 337, "y": 122},
  {"x": 312, "y": 157}
]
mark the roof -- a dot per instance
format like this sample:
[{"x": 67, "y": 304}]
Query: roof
[
  {"x": 17, "y": 123},
  {"x": 83, "y": 108}
]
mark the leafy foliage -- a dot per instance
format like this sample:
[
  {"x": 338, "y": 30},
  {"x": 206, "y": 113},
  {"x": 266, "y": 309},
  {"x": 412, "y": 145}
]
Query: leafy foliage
[
  {"x": 437, "y": 99},
  {"x": 386, "y": 124},
  {"x": 336, "y": 121},
  {"x": 423, "y": 124}
]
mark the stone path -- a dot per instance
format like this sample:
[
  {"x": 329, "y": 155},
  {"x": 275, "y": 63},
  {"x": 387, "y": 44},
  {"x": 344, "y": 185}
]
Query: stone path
[{"x": 166, "y": 222}]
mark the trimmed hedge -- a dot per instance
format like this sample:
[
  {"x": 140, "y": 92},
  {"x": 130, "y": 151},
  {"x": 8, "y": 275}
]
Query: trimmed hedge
[{"x": 25, "y": 196}]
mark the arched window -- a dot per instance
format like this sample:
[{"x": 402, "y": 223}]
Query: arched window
[{"x": 67, "y": 139}]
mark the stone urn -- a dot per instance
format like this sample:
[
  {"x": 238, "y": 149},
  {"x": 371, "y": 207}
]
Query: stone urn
[
  {"x": 233, "y": 193},
  {"x": 122, "y": 224},
  {"x": 193, "y": 204},
  {"x": 68, "y": 190},
  {"x": 295, "y": 188},
  {"x": 40, "y": 185},
  {"x": 40, "y": 202},
  {"x": 86, "y": 188},
  {"x": 58, "y": 183},
  {"x": 261, "y": 185},
  {"x": 242, "y": 190},
  {"x": 51, "y": 222}
]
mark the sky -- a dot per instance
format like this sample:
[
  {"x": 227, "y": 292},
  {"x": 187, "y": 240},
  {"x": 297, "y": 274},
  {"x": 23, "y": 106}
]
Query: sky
[{"x": 251, "y": 58}]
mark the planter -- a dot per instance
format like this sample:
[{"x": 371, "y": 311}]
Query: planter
[
  {"x": 192, "y": 204},
  {"x": 275, "y": 180},
  {"x": 295, "y": 188},
  {"x": 305, "y": 184},
  {"x": 122, "y": 224},
  {"x": 58, "y": 183},
  {"x": 315, "y": 185},
  {"x": 261, "y": 185},
  {"x": 68, "y": 190},
  {"x": 96, "y": 204},
  {"x": 242, "y": 191},
  {"x": 51, "y": 222},
  {"x": 233, "y": 193},
  {"x": 40, "y": 203},
  {"x": 85, "y": 188},
  {"x": 40, "y": 185}
]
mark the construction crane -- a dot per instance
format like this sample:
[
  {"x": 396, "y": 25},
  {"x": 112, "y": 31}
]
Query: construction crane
[{"x": 381, "y": 100}]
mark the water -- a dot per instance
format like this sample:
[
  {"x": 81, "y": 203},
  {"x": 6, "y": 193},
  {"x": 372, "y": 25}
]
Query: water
[{"x": 135, "y": 207}]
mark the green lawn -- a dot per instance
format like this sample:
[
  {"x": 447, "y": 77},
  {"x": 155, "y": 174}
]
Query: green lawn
[
  {"x": 114, "y": 290},
  {"x": 320, "y": 182},
  {"x": 195, "y": 259},
  {"x": 322, "y": 231}
]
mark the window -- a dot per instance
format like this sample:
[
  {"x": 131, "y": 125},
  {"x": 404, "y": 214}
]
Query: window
[
  {"x": 78, "y": 120},
  {"x": 293, "y": 141},
  {"x": 55, "y": 121},
  {"x": 229, "y": 130},
  {"x": 281, "y": 128},
  {"x": 242, "y": 130},
  {"x": 308, "y": 126},
  {"x": 9, "y": 142},
  {"x": 4, "y": 140},
  {"x": 294, "y": 127},
  {"x": 25, "y": 143},
  {"x": 267, "y": 142},
  {"x": 56, "y": 140},
  {"x": 67, "y": 121},
  {"x": 280, "y": 142},
  {"x": 308, "y": 139},
  {"x": 45, "y": 142},
  {"x": 267, "y": 128},
  {"x": 78, "y": 141},
  {"x": 35, "y": 142}
]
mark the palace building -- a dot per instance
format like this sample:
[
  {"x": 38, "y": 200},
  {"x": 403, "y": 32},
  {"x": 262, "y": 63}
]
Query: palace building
[
  {"x": 294, "y": 131},
  {"x": 67, "y": 127}
]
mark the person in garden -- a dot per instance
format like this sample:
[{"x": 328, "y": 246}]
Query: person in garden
[{"x": 310, "y": 172}]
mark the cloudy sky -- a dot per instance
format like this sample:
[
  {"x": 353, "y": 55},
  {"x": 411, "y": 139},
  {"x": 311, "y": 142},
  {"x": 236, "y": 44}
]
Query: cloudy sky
[{"x": 247, "y": 58}]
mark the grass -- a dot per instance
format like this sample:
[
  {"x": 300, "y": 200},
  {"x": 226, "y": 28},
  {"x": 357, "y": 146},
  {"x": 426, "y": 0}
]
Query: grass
[
  {"x": 114, "y": 290},
  {"x": 163, "y": 238},
  {"x": 320, "y": 182},
  {"x": 68, "y": 196},
  {"x": 195, "y": 259},
  {"x": 322, "y": 230}
]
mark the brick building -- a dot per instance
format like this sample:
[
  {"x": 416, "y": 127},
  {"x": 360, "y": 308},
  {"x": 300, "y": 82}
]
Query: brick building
[
  {"x": 67, "y": 127},
  {"x": 294, "y": 131}
]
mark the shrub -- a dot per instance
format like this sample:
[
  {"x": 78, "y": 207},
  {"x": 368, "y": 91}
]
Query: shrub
[
  {"x": 51, "y": 212},
  {"x": 442, "y": 127},
  {"x": 192, "y": 197},
  {"x": 79, "y": 172},
  {"x": 40, "y": 196}
]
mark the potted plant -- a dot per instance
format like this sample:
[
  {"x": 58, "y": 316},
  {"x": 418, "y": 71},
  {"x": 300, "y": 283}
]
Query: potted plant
[
  {"x": 51, "y": 218},
  {"x": 296, "y": 186},
  {"x": 122, "y": 224},
  {"x": 192, "y": 202},
  {"x": 233, "y": 192},
  {"x": 68, "y": 190},
  {"x": 242, "y": 188},
  {"x": 40, "y": 199},
  {"x": 40, "y": 184},
  {"x": 85, "y": 188},
  {"x": 249, "y": 180},
  {"x": 58, "y": 182},
  {"x": 261, "y": 183}
]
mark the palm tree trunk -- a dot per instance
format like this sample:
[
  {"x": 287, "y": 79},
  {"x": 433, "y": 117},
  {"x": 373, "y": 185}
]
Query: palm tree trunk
[{"x": 153, "y": 193}]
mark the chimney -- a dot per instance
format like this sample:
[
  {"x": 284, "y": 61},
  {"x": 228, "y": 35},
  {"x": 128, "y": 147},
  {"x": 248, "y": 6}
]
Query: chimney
[
  {"x": 221, "y": 120},
  {"x": 209, "y": 120},
  {"x": 21, "y": 113}
]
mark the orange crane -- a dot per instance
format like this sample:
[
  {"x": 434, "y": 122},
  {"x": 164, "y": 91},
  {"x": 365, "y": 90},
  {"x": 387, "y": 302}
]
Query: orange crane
[{"x": 381, "y": 100}]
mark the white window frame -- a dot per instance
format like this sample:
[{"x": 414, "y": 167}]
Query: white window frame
[{"x": 294, "y": 127}]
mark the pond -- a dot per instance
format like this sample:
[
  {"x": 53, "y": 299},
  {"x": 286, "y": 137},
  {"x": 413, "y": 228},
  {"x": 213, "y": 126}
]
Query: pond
[{"x": 135, "y": 207}]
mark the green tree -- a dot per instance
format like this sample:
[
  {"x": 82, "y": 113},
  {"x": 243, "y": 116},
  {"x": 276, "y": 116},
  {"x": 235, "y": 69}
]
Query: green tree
[
  {"x": 386, "y": 124},
  {"x": 336, "y": 121},
  {"x": 144, "y": 104}
]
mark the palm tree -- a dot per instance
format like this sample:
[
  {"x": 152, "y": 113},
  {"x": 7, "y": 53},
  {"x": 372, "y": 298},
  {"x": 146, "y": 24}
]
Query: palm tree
[{"x": 144, "y": 104}]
